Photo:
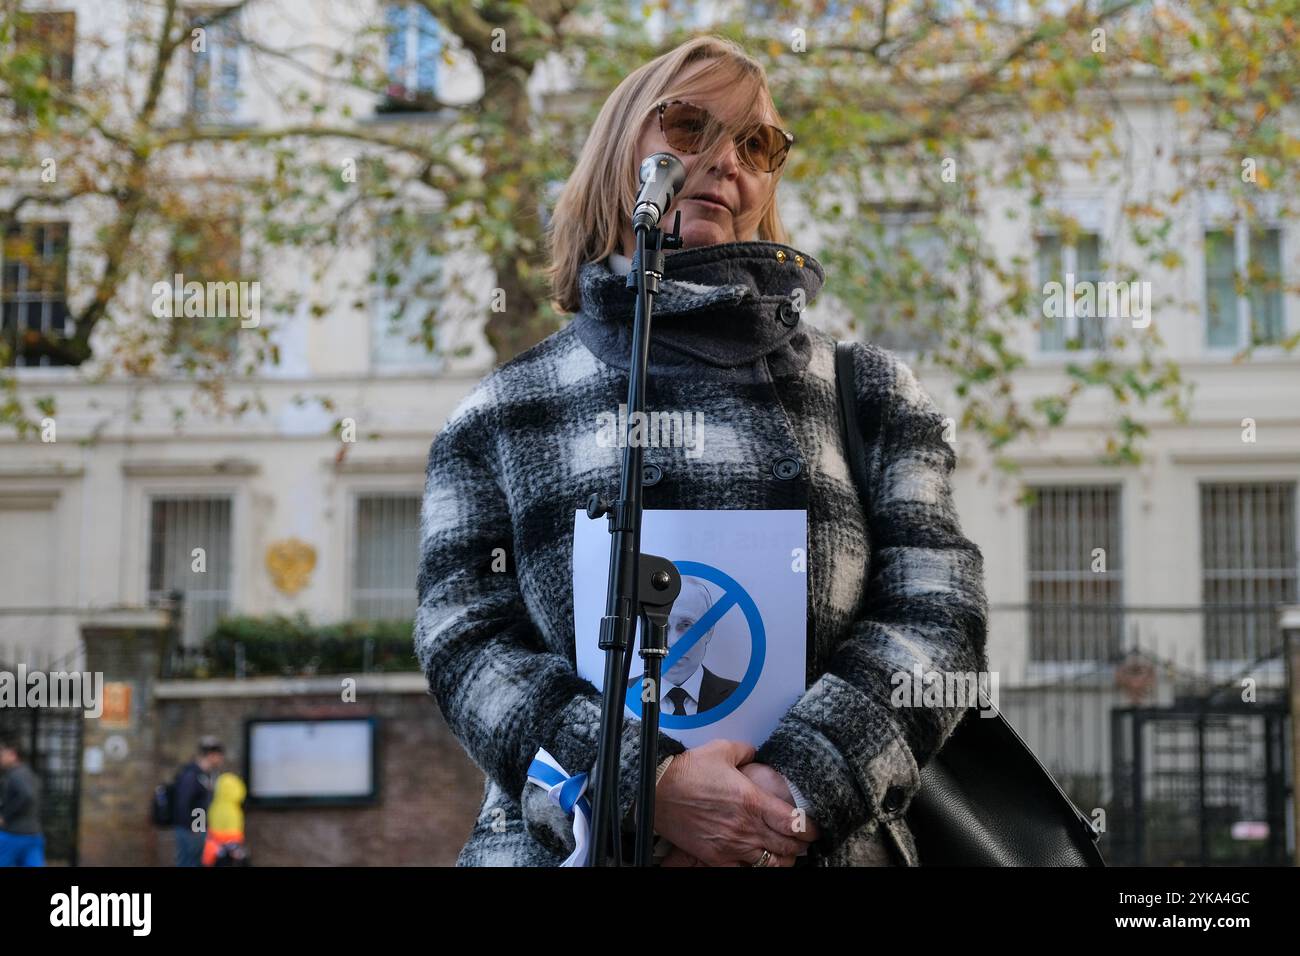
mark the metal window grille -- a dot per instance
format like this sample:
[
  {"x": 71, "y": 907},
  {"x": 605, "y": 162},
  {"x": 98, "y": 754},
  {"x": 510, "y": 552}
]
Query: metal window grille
[
  {"x": 1075, "y": 611},
  {"x": 178, "y": 526},
  {"x": 33, "y": 290},
  {"x": 1248, "y": 557},
  {"x": 384, "y": 566}
]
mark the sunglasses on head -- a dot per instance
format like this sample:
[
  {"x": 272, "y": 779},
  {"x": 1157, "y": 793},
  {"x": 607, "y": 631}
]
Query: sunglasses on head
[{"x": 688, "y": 128}]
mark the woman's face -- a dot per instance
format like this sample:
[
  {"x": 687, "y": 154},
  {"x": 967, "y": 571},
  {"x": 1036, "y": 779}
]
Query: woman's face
[{"x": 718, "y": 173}]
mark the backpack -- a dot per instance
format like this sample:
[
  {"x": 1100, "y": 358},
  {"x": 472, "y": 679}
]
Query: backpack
[{"x": 163, "y": 811}]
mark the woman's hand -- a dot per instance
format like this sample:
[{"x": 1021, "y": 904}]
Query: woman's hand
[
  {"x": 711, "y": 811},
  {"x": 765, "y": 778},
  {"x": 773, "y": 781}
]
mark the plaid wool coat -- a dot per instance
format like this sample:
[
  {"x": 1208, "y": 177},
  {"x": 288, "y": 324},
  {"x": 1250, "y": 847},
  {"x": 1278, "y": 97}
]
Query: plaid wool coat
[{"x": 892, "y": 582}]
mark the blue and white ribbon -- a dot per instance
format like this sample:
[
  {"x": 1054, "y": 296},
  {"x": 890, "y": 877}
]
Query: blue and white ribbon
[{"x": 569, "y": 792}]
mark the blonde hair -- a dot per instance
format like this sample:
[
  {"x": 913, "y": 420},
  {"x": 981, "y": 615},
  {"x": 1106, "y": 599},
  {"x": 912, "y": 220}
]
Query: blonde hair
[{"x": 596, "y": 202}]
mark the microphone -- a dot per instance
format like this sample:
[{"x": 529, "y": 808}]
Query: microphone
[{"x": 662, "y": 175}]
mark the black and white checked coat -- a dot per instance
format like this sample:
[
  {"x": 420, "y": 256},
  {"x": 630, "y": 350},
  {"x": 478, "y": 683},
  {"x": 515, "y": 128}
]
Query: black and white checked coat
[{"x": 892, "y": 582}]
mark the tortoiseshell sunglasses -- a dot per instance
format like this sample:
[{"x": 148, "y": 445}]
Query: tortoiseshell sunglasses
[{"x": 688, "y": 128}]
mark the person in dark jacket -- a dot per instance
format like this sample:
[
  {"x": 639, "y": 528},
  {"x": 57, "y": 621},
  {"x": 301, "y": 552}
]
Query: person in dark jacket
[
  {"x": 194, "y": 785},
  {"x": 21, "y": 840}
]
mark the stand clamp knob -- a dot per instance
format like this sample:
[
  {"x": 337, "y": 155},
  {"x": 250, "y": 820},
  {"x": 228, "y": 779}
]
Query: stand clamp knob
[{"x": 598, "y": 506}]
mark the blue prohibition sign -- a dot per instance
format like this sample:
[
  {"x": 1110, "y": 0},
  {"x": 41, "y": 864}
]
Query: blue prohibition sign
[{"x": 732, "y": 594}]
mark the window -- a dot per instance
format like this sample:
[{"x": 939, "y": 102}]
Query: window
[
  {"x": 385, "y": 558},
  {"x": 206, "y": 250},
  {"x": 178, "y": 527},
  {"x": 1075, "y": 592},
  {"x": 34, "y": 293},
  {"x": 1248, "y": 560},
  {"x": 904, "y": 298},
  {"x": 408, "y": 291},
  {"x": 53, "y": 38},
  {"x": 214, "y": 67},
  {"x": 414, "y": 48},
  {"x": 1255, "y": 318},
  {"x": 1070, "y": 321},
  {"x": 31, "y": 569}
]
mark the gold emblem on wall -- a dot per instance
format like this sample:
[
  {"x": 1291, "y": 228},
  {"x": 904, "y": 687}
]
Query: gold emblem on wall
[{"x": 291, "y": 563}]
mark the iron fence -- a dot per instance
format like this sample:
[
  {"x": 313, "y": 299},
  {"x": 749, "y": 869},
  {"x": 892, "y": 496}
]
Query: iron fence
[
  {"x": 50, "y": 739},
  {"x": 1179, "y": 753}
]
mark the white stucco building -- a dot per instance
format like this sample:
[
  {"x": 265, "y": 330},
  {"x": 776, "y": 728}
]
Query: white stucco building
[{"x": 109, "y": 513}]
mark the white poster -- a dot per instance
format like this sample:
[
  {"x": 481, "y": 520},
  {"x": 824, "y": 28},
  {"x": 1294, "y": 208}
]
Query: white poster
[
  {"x": 311, "y": 758},
  {"x": 736, "y": 634}
]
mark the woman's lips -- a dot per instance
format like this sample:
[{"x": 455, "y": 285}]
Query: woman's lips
[{"x": 708, "y": 203}]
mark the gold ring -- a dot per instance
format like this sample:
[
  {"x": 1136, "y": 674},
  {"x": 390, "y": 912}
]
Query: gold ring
[{"x": 762, "y": 860}]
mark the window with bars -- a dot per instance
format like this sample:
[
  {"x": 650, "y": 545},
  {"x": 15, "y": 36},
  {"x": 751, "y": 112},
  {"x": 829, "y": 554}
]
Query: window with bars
[
  {"x": 1235, "y": 320},
  {"x": 52, "y": 38},
  {"x": 177, "y": 527},
  {"x": 34, "y": 292},
  {"x": 214, "y": 67},
  {"x": 1249, "y": 567},
  {"x": 1076, "y": 608},
  {"x": 385, "y": 557},
  {"x": 414, "y": 43},
  {"x": 1070, "y": 263}
]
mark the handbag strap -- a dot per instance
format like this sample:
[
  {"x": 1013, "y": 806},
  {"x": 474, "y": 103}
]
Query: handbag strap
[{"x": 846, "y": 388}]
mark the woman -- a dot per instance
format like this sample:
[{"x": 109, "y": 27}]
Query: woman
[{"x": 892, "y": 583}]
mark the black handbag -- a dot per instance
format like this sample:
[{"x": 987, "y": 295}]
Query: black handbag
[{"x": 985, "y": 799}]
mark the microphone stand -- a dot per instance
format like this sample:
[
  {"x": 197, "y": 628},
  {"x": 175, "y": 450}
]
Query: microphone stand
[{"x": 643, "y": 585}]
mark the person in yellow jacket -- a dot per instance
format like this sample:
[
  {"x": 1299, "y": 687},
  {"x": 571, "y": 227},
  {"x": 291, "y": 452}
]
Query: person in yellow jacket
[{"x": 225, "y": 817}]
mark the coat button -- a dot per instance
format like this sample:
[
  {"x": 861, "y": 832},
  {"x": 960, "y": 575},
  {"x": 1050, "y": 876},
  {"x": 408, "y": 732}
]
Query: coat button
[
  {"x": 787, "y": 468},
  {"x": 787, "y": 314},
  {"x": 650, "y": 475},
  {"x": 893, "y": 800}
]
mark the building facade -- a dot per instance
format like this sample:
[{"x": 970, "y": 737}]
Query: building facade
[{"x": 1113, "y": 585}]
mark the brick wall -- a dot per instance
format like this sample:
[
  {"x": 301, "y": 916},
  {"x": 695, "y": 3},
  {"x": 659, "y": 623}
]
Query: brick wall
[
  {"x": 113, "y": 822},
  {"x": 429, "y": 790}
]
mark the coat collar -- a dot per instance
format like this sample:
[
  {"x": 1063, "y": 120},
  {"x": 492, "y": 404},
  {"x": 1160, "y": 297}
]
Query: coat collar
[{"x": 726, "y": 305}]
